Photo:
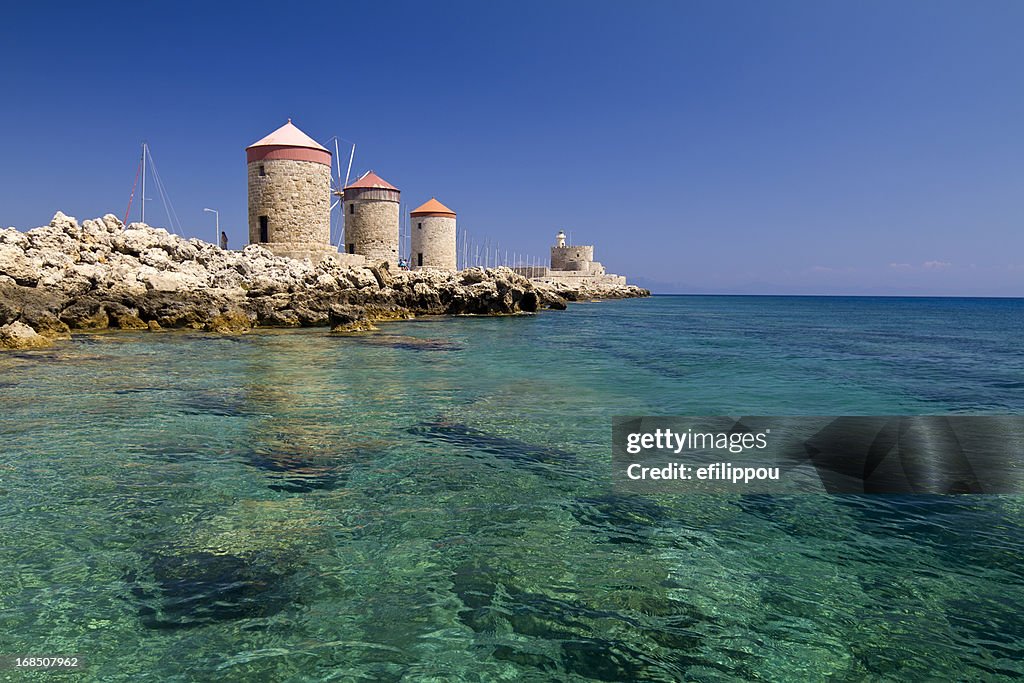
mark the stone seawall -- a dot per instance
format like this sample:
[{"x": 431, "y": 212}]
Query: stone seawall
[
  {"x": 99, "y": 274},
  {"x": 577, "y": 280}
]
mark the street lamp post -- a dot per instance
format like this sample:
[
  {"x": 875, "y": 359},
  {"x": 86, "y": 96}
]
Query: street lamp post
[{"x": 216, "y": 236}]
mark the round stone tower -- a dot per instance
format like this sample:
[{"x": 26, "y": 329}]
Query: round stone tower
[
  {"x": 570, "y": 256},
  {"x": 290, "y": 194},
  {"x": 433, "y": 236},
  {"x": 371, "y": 218}
]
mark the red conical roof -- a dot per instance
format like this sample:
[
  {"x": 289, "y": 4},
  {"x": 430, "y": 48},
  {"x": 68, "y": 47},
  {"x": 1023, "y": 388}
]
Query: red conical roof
[
  {"x": 432, "y": 206},
  {"x": 289, "y": 136},
  {"x": 371, "y": 180}
]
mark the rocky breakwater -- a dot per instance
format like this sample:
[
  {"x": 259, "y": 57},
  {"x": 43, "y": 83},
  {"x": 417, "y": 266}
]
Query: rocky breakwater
[
  {"x": 99, "y": 274},
  {"x": 587, "y": 291}
]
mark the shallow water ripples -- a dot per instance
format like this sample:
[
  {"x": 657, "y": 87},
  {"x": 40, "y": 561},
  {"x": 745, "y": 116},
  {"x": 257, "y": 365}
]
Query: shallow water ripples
[{"x": 435, "y": 504}]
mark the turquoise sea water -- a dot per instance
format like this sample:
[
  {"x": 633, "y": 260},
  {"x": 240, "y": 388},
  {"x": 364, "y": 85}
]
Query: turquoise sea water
[{"x": 432, "y": 502}]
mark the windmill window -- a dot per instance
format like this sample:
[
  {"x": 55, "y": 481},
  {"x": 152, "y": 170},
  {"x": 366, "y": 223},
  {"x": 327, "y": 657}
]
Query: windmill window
[
  {"x": 351, "y": 248},
  {"x": 263, "y": 170},
  {"x": 351, "y": 208},
  {"x": 264, "y": 229},
  {"x": 419, "y": 226},
  {"x": 419, "y": 259}
]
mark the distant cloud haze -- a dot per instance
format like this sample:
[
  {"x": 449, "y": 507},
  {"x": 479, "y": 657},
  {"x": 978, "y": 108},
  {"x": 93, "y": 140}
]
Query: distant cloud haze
[
  {"x": 927, "y": 265},
  {"x": 827, "y": 269}
]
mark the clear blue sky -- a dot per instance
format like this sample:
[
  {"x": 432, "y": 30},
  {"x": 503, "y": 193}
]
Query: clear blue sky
[{"x": 765, "y": 147}]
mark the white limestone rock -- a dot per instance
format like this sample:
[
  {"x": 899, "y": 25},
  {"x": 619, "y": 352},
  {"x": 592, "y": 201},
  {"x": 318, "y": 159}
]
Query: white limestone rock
[
  {"x": 65, "y": 223},
  {"x": 19, "y": 267},
  {"x": 167, "y": 281},
  {"x": 112, "y": 223},
  {"x": 361, "y": 278},
  {"x": 14, "y": 238},
  {"x": 155, "y": 257}
]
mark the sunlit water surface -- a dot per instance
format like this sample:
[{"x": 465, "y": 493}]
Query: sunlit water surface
[{"x": 433, "y": 502}]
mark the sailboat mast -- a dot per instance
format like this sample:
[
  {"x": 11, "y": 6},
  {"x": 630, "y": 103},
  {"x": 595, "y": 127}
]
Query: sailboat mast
[{"x": 143, "y": 182}]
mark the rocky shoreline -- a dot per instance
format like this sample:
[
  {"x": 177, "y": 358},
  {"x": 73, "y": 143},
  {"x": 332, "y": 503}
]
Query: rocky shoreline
[{"x": 67, "y": 277}]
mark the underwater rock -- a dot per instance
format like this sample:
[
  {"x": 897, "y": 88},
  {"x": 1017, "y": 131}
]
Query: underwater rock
[
  {"x": 603, "y": 660},
  {"x": 575, "y": 627},
  {"x": 199, "y": 588},
  {"x": 221, "y": 402},
  {"x": 296, "y": 474},
  {"x": 409, "y": 343},
  {"x": 303, "y": 471},
  {"x": 466, "y": 437},
  {"x": 624, "y": 518}
]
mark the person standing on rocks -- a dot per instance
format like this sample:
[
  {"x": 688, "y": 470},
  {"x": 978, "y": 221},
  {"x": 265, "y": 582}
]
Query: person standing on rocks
[{"x": 223, "y": 240}]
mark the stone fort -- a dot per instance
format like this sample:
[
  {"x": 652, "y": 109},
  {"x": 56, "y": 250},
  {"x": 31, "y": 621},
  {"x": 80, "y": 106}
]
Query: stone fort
[{"x": 572, "y": 265}]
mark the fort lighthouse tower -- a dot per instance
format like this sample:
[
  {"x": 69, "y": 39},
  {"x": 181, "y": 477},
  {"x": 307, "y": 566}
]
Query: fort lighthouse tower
[
  {"x": 433, "y": 236},
  {"x": 290, "y": 194},
  {"x": 571, "y": 257}
]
